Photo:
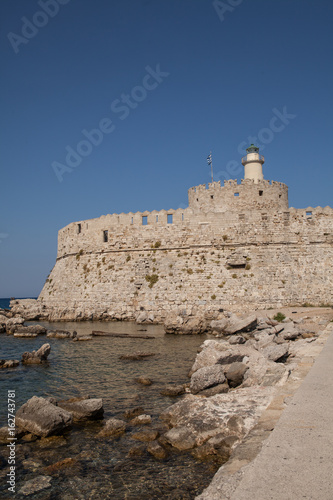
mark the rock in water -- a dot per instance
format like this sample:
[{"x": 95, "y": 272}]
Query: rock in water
[
  {"x": 61, "y": 334},
  {"x": 8, "y": 363},
  {"x": 113, "y": 427},
  {"x": 87, "y": 409},
  {"x": 37, "y": 357},
  {"x": 34, "y": 485},
  {"x": 42, "y": 418},
  {"x": 173, "y": 390},
  {"x": 155, "y": 449}
]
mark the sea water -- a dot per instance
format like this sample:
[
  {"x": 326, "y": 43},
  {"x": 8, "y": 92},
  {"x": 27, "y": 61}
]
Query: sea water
[{"x": 103, "y": 468}]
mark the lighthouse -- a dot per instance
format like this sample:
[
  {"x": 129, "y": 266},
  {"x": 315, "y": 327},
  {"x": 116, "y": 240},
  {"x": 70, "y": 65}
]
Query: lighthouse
[{"x": 253, "y": 163}]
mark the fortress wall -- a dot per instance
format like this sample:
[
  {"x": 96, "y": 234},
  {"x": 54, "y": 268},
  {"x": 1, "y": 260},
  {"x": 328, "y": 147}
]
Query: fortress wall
[
  {"x": 117, "y": 285},
  {"x": 206, "y": 261},
  {"x": 188, "y": 228}
]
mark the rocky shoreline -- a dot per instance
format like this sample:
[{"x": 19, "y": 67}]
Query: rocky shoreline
[{"x": 235, "y": 378}]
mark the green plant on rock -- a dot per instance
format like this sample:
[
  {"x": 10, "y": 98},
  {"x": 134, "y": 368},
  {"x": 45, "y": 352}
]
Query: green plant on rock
[
  {"x": 248, "y": 267},
  {"x": 157, "y": 244},
  {"x": 190, "y": 271},
  {"x": 279, "y": 317},
  {"x": 213, "y": 297},
  {"x": 128, "y": 258},
  {"x": 152, "y": 279},
  {"x": 234, "y": 276}
]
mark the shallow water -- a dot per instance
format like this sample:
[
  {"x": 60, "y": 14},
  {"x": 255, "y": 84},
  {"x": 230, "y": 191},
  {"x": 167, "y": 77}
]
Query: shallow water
[{"x": 102, "y": 468}]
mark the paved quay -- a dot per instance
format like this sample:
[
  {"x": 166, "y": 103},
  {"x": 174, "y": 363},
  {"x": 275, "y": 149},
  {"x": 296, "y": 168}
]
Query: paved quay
[{"x": 296, "y": 461}]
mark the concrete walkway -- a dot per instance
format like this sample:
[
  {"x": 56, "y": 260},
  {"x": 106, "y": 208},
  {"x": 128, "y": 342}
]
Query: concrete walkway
[{"x": 296, "y": 461}]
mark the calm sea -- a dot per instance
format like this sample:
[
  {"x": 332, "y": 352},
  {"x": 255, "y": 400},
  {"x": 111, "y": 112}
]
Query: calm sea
[{"x": 104, "y": 468}]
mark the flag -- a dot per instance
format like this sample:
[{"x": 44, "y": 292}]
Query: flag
[{"x": 209, "y": 159}]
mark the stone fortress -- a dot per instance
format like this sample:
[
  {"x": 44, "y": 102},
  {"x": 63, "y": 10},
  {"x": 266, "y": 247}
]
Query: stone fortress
[{"x": 237, "y": 246}]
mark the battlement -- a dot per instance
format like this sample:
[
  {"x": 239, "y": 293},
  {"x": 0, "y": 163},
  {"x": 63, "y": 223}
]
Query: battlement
[{"x": 248, "y": 195}]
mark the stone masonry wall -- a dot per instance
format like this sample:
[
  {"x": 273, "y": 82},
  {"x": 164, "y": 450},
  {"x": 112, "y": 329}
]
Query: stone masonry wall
[{"x": 200, "y": 263}]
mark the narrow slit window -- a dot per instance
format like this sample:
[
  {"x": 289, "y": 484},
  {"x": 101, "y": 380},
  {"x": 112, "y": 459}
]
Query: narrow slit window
[
  {"x": 105, "y": 236},
  {"x": 145, "y": 220},
  {"x": 236, "y": 194},
  {"x": 170, "y": 218},
  {"x": 132, "y": 220},
  {"x": 261, "y": 193},
  {"x": 156, "y": 218},
  {"x": 79, "y": 228},
  {"x": 212, "y": 196},
  {"x": 182, "y": 216}
]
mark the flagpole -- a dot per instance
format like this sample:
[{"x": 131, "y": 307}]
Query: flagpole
[{"x": 211, "y": 165}]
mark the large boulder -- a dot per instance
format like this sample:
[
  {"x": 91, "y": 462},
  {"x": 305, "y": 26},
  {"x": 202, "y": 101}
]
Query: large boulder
[
  {"x": 276, "y": 352},
  {"x": 219, "y": 325},
  {"x": 207, "y": 377},
  {"x": 36, "y": 357},
  {"x": 235, "y": 374},
  {"x": 220, "y": 352},
  {"x": 194, "y": 420},
  {"x": 12, "y": 323},
  {"x": 42, "y": 418},
  {"x": 238, "y": 325},
  {"x": 83, "y": 409},
  {"x": 192, "y": 325},
  {"x": 173, "y": 323}
]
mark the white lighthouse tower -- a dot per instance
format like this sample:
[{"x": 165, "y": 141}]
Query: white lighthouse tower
[{"x": 253, "y": 163}]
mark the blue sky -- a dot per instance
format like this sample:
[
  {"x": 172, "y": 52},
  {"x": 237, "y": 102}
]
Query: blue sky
[{"x": 223, "y": 71}]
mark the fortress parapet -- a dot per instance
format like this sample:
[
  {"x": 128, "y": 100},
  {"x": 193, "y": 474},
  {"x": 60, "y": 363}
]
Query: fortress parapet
[{"x": 249, "y": 195}]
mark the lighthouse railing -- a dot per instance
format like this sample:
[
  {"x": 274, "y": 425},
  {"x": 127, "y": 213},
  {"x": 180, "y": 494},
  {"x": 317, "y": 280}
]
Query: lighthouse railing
[{"x": 259, "y": 158}]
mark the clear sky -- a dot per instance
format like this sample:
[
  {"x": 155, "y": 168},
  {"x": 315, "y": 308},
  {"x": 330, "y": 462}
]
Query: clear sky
[{"x": 165, "y": 82}]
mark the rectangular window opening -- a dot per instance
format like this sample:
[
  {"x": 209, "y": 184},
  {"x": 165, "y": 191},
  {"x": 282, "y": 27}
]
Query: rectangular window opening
[
  {"x": 212, "y": 196},
  {"x": 182, "y": 216},
  {"x": 261, "y": 193},
  {"x": 309, "y": 214},
  {"x": 170, "y": 218},
  {"x": 236, "y": 194},
  {"x": 156, "y": 218},
  {"x": 132, "y": 220},
  {"x": 79, "y": 228},
  {"x": 105, "y": 236},
  {"x": 145, "y": 220}
]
